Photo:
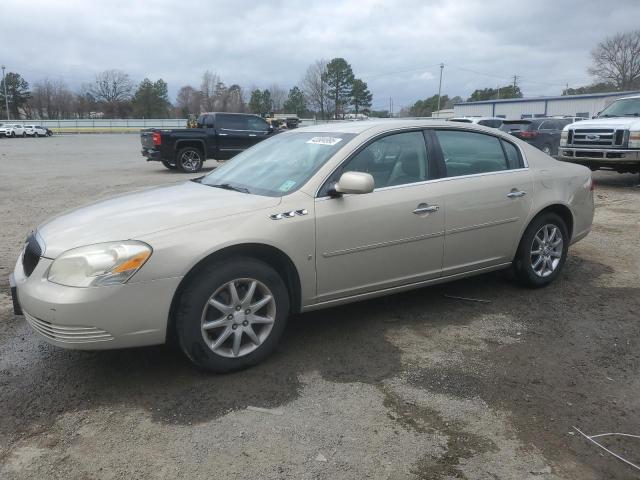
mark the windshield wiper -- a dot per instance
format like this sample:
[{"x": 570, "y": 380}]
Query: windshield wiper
[
  {"x": 631, "y": 115},
  {"x": 228, "y": 186}
]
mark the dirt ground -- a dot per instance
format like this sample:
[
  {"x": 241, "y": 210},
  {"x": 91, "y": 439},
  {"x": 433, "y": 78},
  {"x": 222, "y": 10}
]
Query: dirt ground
[{"x": 416, "y": 385}]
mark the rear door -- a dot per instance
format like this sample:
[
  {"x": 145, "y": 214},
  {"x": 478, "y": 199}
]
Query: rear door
[
  {"x": 233, "y": 136},
  {"x": 488, "y": 196}
]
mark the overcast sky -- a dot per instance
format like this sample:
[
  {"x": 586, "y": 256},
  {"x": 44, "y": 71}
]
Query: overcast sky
[{"x": 395, "y": 46}]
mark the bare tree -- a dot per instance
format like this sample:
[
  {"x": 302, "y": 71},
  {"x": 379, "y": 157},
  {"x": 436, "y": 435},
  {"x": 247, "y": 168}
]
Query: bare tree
[
  {"x": 278, "y": 97},
  {"x": 315, "y": 88},
  {"x": 617, "y": 60},
  {"x": 51, "y": 99},
  {"x": 208, "y": 91},
  {"x": 188, "y": 101},
  {"x": 112, "y": 86}
]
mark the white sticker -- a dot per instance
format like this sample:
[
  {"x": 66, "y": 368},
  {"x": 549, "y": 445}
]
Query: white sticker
[
  {"x": 324, "y": 140},
  {"x": 286, "y": 186}
]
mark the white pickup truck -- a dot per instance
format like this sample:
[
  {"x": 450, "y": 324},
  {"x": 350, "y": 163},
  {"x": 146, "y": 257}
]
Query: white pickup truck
[{"x": 611, "y": 140}]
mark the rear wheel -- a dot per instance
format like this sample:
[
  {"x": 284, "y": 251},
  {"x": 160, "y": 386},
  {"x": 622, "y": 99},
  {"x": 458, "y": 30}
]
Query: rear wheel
[
  {"x": 189, "y": 160},
  {"x": 546, "y": 149},
  {"x": 542, "y": 251},
  {"x": 232, "y": 314},
  {"x": 36, "y": 135}
]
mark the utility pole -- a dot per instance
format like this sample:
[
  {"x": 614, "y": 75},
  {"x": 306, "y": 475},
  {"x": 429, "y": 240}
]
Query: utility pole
[
  {"x": 498, "y": 90},
  {"x": 440, "y": 89},
  {"x": 6, "y": 99},
  {"x": 515, "y": 82},
  {"x": 390, "y": 107}
]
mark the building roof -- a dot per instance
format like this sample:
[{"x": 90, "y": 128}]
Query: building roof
[{"x": 558, "y": 97}]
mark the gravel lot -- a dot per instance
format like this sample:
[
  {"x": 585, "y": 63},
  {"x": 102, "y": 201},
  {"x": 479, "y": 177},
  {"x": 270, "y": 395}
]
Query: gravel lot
[{"x": 411, "y": 386}]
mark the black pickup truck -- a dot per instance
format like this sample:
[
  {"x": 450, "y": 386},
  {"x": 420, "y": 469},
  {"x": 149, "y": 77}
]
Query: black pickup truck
[{"x": 218, "y": 135}]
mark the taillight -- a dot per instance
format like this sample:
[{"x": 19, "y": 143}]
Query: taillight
[
  {"x": 526, "y": 134},
  {"x": 157, "y": 138}
]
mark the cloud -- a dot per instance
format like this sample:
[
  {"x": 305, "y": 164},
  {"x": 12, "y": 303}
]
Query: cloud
[{"x": 395, "y": 46}]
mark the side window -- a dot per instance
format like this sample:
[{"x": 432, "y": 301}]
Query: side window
[
  {"x": 257, "y": 124},
  {"x": 547, "y": 125},
  {"x": 208, "y": 121},
  {"x": 468, "y": 153},
  {"x": 513, "y": 155},
  {"x": 486, "y": 123},
  {"x": 232, "y": 122},
  {"x": 396, "y": 159}
]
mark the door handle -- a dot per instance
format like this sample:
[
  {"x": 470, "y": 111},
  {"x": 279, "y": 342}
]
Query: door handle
[
  {"x": 516, "y": 193},
  {"x": 425, "y": 208},
  {"x": 252, "y": 134}
]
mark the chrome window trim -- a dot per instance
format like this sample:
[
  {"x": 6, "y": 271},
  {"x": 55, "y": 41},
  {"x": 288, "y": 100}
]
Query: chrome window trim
[
  {"x": 422, "y": 129},
  {"x": 436, "y": 180}
]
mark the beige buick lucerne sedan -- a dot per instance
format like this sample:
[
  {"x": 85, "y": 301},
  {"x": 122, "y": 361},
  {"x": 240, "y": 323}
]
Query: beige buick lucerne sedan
[{"x": 311, "y": 218}]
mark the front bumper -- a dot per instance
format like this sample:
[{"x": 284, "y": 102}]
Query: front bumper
[
  {"x": 96, "y": 318},
  {"x": 595, "y": 155}
]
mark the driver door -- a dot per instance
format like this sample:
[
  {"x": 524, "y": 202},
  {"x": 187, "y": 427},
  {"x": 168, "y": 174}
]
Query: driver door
[{"x": 389, "y": 237}]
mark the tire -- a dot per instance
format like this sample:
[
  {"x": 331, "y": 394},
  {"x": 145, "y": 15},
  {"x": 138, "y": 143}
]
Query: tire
[
  {"x": 13, "y": 134},
  {"x": 189, "y": 160},
  {"x": 534, "y": 269},
  {"x": 214, "y": 349},
  {"x": 546, "y": 149},
  {"x": 170, "y": 166},
  {"x": 36, "y": 134},
  {"x": 24, "y": 134}
]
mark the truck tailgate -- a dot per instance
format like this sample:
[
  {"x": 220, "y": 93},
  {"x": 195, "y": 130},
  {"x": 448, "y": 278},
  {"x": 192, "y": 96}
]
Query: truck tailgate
[{"x": 146, "y": 138}]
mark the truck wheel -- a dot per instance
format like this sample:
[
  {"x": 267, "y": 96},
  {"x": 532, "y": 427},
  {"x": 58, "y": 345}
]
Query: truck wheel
[
  {"x": 546, "y": 149},
  {"x": 170, "y": 166},
  {"x": 232, "y": 314},
  {"x": 189, "y": 160}
]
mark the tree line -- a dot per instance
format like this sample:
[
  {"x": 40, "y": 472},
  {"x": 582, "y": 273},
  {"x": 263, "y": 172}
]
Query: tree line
[{"x": 328, "y": 89}]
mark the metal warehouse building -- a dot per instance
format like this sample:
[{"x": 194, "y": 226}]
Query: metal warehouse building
[{"x": 570, "y": 105}]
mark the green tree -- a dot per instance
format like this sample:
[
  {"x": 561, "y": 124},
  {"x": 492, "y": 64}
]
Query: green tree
[
  {"x": 360, "y": 96},
  {"x": 424, "y": 108},
  {"x": 339, "y": 78},
  {"x": 260, "y": 102},
  {"x": 17, "y": 92},
  {"x": 295, "y": 103},
  {"x": 151, "y": 100},
  {"x": 595, "y": 88},
  {"x": 508, "y": 91}
]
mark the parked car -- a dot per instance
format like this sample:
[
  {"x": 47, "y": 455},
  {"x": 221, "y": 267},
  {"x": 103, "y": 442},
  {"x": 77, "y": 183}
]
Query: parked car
[
  {"x": 310, "y": 218},
  {"x": 542, "y": 133},
  {"x": 218, "y": 135},
  {"x": 35, "y": 131},
  {"x": 3, "y": 130},
  {"x": 609, "y": 141},
  {"x": 14, "y": 130},
  {"x": 493, "y": 122}
]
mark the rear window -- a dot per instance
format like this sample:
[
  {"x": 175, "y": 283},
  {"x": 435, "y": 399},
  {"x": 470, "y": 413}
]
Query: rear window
[
  {"x": 232, "y": 122},
  {"x": 461, "y": 120},
  {"x": 512, "y": 126}
]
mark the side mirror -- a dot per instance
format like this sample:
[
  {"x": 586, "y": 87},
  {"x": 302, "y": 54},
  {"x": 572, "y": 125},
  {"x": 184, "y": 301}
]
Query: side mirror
[{"x": 355, "y": 182}]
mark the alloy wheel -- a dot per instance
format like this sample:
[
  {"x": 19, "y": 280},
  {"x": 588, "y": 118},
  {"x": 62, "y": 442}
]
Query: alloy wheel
[
  {"x": 238, "y": 317},
  {"x": 190, "y": 161},
  {"x": 546, "y": 250}
]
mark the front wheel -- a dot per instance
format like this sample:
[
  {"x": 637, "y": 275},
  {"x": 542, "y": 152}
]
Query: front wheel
[
  {"x": 36, "y": 135},
  {"x": 189, "y": 160},
  {"x": 542, "y": 251},
  {"x": 232, "y": 314},
  {"x": 546, "y": 149}
]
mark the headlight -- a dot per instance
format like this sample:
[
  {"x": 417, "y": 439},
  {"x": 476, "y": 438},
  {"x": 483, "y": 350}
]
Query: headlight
[
  {"x": 564, "y": 136},
  {"x": 100, "y": 264},
  {"x": 634, "y": 139}
]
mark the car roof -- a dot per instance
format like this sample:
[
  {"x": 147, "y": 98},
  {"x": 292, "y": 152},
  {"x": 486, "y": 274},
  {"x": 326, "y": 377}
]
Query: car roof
[
  {"x": 382, "y": 124},
  {"x": 627, "y": 98}
]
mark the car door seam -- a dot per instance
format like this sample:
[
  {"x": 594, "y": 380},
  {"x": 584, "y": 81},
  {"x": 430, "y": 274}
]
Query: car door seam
[{"x": 382, "y": 244}]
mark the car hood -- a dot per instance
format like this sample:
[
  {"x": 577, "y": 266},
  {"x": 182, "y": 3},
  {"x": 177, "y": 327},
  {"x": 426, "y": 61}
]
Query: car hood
[
  {"x": 135, "y": 214},
  {"x": 613, "y": 122}
]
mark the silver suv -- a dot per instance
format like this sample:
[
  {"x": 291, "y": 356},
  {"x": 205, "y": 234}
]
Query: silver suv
[{"x": 308, "y": 219}]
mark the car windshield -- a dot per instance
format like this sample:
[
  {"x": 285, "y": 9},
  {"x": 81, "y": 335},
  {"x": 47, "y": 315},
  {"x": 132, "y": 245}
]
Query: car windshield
[
  {"x": 623, "y": 108},
  {"x": 279, "y": 165}
]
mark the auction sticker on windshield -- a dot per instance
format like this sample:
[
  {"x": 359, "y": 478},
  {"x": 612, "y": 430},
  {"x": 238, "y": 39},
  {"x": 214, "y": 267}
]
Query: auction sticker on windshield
[
  {"x": 324, "y": 140},
  {"x": 286, "y": 186}
]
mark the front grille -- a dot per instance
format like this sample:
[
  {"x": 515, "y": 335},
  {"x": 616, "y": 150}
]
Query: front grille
[
  {"x": 67, "y": 334},
  {"x": 597, "y": 137},
  {"x": 31, "y": 255}
]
